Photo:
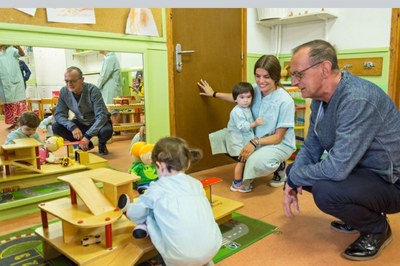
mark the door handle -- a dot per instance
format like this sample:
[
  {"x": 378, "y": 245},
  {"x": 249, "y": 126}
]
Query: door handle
[{"x": 178, "y": 56}]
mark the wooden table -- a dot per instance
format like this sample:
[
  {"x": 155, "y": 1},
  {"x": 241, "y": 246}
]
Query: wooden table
[{"x": 41, "y": 103}]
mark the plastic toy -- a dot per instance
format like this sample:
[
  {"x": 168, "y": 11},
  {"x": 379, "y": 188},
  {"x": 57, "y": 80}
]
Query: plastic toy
[
  {"x": 142, "y": 165},
  {"x": 46, "y": 153},
  {"x": 207, "y": 184},
  {"x": 66, "y": 161}
]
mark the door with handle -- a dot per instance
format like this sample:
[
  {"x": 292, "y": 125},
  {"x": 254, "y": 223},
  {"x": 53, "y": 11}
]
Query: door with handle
[
  {"x": 209, "y": 49},
  {"x": 178, "y": 56}
]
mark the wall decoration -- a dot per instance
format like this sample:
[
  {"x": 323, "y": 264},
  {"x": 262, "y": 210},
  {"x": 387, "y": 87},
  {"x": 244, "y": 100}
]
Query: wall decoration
[
  {"x": 141, "y": 22},
  {"x": 29, "y": 11},
  {"x": 71, "y": 15}
]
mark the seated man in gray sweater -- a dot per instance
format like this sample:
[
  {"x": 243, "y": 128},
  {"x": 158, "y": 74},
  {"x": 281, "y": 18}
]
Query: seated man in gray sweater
[{"x": 91, "y": 115}]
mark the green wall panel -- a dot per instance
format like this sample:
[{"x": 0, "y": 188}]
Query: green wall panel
[{"x": 381, "y": 81}]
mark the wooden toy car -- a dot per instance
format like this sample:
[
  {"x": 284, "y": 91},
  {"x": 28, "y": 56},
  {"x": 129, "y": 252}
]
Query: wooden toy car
[{"x": 90, "y": 239}]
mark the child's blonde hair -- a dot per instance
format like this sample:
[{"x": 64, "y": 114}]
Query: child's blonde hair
[{"x": 175, "y": 153}]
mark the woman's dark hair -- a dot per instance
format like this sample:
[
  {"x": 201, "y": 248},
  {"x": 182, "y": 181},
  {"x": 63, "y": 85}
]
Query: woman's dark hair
[{"x": 271, "y": 64}]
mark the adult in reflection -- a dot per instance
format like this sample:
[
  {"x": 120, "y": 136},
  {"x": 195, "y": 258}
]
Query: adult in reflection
[
  {"x": 25, "y": 71},
  {"x": 12, "y": 89},
  {"x": 359, "y": 126},
  {"x": 109, "y": 81},
  {"x": 91, "y": 115}
]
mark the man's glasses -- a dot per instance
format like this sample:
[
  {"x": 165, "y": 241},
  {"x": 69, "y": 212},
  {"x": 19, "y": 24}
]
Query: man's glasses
[
  {"x": 72, "y": 81},
  {"x": 300, "y": 74}
]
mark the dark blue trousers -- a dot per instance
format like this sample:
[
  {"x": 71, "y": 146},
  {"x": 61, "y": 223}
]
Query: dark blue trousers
[
  {"x": 362, "y": 200},
  {"x": 104, "y": 134}
]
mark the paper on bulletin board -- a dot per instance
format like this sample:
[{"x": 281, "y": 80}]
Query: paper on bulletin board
[
  {"x": 29, "y": 11},
  {"x": 141, "y": 22},
  {"x": 71, "y": 15}
]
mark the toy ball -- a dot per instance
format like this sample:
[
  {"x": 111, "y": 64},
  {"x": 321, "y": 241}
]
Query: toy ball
[
  {"x": 54, "y": 143},
  {"x": 135, "y": 148}
]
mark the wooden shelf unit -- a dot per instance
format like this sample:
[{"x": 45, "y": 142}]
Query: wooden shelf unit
[
  {"x": 132, "y": 113},
  {"x": 24, "y": 153}
]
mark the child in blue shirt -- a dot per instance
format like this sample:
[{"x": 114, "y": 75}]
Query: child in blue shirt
[
  {"x": 28, "y": 123},
  {"x": 174, "y": 211},
  {"x": 47, "y": 123},
  {"x": 240, "y": 130}
]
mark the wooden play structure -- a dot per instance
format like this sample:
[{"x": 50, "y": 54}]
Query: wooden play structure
[
  {"x": 20, "y": 166},
  {"x": 92, "y": 212},
  {"x": 24, "y": 153}
]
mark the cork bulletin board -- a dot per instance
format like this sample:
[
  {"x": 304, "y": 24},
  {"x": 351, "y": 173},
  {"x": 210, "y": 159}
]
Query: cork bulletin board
[{"x": 112, "y": 20}]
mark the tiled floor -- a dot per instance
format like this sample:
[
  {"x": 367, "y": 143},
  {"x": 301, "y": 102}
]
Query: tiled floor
[{"x": 305, "y": 240}]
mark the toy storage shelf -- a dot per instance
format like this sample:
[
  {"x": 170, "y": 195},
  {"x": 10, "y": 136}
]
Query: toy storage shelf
[
  {"x": 132, "y": 113},
  {"x": 301, "y": 116}
]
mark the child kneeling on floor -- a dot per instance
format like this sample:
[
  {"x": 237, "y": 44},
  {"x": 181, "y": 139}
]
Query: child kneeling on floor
[{"x": 174, "y": 211}]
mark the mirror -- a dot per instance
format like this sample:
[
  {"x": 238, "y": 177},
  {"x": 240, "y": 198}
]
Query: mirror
[{"x": 47, "y": 66}]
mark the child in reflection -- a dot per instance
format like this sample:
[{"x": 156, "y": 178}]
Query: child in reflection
[
  {"x": 46, "y": 124},
  {"x": 174, "y": 210},
  {"x": 28, "y": 123}
]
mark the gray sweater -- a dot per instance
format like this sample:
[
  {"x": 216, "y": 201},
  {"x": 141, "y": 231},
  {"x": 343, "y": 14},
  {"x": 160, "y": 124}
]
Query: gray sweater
[
  {"x": 359, "y": 128},
  {"x": 90, "y": 110}
]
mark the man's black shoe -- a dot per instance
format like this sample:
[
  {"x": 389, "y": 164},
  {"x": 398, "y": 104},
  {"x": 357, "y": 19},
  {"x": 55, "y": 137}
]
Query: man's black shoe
[
  {"x": 342, "y": 227},
  {"x": 90, "y": 146},
  {"x": 368, "y": 246},
  {"x": 103, "y": 149}
]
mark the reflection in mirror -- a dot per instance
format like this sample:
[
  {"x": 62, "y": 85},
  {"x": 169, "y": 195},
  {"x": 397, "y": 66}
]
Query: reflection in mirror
[{"x": 48, "y": 65}]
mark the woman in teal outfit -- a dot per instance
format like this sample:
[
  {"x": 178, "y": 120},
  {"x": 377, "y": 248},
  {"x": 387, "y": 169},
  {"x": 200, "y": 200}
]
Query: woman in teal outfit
[
  {"x": 109, "y": 81},
  {"x": 12, "y": 88},
  {"x": 275, "y": 139}
]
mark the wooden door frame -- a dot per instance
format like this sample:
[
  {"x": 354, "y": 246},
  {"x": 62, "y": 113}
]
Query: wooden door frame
[
  {"x": 394, "y": 65},
  {"x": 171, "y": 66}
]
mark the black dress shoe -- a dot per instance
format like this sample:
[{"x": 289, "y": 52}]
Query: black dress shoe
[
  {"x": 368, "y": 246},
  {"x": 341, "y": 227},
  {"x": 90, "y": 146},
  {"x": 103, "y": 149}
]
